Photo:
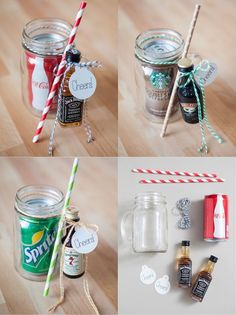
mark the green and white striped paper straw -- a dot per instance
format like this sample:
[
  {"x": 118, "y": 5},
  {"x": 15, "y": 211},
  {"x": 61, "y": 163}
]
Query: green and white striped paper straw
[{"x": 60, "y": 227}]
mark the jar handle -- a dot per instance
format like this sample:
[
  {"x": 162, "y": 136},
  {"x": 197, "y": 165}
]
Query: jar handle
[{"x": 126, "y": 235}]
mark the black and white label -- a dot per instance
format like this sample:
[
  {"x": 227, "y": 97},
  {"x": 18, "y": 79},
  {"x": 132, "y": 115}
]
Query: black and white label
[
  {"x": 71, "y": 109},
  {"x": 74, "y": 263},
  {"x": 200, "y": 287},
  {"x": 185, "y": 274}
]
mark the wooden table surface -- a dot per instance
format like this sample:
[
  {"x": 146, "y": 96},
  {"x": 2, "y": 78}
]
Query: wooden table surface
[
  {"x": 213, "y": 40},
  {"x": 95, "y": 195},
  {"x": 97, "y": 37}
]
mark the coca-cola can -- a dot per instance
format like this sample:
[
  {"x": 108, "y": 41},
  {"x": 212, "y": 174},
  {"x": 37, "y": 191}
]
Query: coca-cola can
[{"x": 216, "y": 218}]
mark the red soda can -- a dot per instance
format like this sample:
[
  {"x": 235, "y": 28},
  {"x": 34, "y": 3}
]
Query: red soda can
[{"x": 216, "y": 218}]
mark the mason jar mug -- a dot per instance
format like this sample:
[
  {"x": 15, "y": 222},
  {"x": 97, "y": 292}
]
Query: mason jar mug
[
  {"x": 156, "y": 54},
  {"x": 146, "y": 226},
  {"x": 43, "y": 42}
]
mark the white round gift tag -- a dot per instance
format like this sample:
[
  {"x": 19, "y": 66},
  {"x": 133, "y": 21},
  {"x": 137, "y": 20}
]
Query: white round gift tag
[
  {"x": 208, "y": 74},
  {"x": 162, "y": 285},
  {"x": 84, "y": 240},
  {"x": 147, "y": 275},
  {"x": 82, "y": 83}
]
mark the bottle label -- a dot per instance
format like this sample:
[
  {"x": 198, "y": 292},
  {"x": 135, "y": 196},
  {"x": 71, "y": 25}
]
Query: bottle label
[
  {"x": 37, "y": 241},
  {"x": 71, "y": 109},
  {"x": 73, "y": 262},
  {"x": 200, "y": 287},
  {"x": 185, "y": 274},
  {"x": 189, "y": 108}
]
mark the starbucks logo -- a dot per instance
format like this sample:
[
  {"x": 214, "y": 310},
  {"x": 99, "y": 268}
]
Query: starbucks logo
[{"x": 160, "y": 80}]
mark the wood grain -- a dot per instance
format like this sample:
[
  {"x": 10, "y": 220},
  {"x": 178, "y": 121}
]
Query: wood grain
[
  {"x": 213, "y": 40},
  {"x": 95, "y": 195},
  {"x": 97, "y": 37}
]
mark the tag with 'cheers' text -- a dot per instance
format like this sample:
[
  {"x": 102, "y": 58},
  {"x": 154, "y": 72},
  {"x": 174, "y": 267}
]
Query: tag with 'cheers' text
[
  {"x": 207, "y": 73},
  {"x": 82, "y": 83},
  {"x": 84, "y": 240}
]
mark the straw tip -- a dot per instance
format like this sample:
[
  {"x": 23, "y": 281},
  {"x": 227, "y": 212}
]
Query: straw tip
[
  {"x": 45, "y": 293},
  {"x": 35, "y": 139}
]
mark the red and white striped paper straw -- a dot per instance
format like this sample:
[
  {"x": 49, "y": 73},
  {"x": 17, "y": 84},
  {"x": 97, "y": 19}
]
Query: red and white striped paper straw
[
  {"x": 160, "y": 172},
  {"x": 181, "y": 181},
  {"x": 60, "y": 71}
]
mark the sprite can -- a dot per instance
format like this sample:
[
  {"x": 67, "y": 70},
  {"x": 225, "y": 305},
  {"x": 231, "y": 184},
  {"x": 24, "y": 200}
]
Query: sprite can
[{"x": 38, "y": 210}]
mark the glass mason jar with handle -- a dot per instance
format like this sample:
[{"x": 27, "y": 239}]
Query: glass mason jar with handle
[
  {"x": 156, "y": 54},
  {"x": 146, "y": 226},
  {"x": 37, "y": 213},
  {"x": 43, "y": 42}
]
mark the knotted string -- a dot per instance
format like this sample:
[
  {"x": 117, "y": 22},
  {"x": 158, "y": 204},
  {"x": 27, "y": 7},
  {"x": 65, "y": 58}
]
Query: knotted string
[
  {"x": 85, "y": 122},
  {"x": 203, "y": 66},
  {"x": 71, "y": 225}
]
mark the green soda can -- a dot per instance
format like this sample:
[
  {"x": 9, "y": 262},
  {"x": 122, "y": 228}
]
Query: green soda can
[{"x": 38, "y": 210}]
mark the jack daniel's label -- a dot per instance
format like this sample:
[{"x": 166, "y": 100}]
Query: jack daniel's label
[
  {"x": 71, "y": 109},
  {"x": 185, "y": 274},
  {"x": 200, "y": 287}
]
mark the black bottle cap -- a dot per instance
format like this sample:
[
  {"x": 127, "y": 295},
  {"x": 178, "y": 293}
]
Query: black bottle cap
[
  {"x": 73, "y": 55},
  {"x": 185, "y": 243},
  {"x": 213, "y": 258},
  {"x": 185, "y": 65}
]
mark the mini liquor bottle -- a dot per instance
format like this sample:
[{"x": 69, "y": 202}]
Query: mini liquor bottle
[
  {"x": 74, "y": 262},
  {"x": 185, "y": 267},
  {"x": 71, "y": 109},
  {"x": 186, "y": 94},
  {"x": 203, "y": 280}
]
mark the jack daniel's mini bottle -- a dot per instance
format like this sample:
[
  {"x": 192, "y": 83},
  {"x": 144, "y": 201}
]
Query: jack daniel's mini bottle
[
  {"x": 185, "y": 267},
  {"x": 71, "y": 109},
  {"x": 186, "y": 94},
  {"x": 74, "y": 262},
  {"x": 203, "y": 280}
]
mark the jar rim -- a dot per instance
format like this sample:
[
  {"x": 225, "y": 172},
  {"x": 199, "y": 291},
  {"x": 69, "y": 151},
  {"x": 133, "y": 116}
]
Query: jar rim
[
  {"x": 25, "y": 196},
  {"x": 150, "y": 196},
  {"x": 161, "y": 56},
  {"x": 46, "y": 47}
]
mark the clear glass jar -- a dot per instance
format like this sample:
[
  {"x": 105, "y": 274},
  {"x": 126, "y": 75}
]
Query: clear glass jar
[
  {"x": 156, "y": 53},
  {"x": 43, "y": 41},
  {"x": 37, "y": 213},
  {"x": 146, "y": 226}
]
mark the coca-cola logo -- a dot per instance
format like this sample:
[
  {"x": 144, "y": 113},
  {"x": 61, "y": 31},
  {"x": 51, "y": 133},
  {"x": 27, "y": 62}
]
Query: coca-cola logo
[{"x": 40, "y": 85}]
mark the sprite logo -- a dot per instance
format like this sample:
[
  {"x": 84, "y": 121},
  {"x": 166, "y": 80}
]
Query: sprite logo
[{"x": 37, "y": 245}]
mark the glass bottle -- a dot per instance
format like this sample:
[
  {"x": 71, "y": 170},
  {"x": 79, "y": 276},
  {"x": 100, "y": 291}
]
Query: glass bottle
[
  {"x": 156, "y": 54},
  {"x": 186, "y": 94},
  {"x": 71, "y": 109},
  {"x": 37, "y": 213},
  {"x": 43, "y": 42},
  {"x": 74, "y": 262},
  {"x": 203, "y": 280},
  {"x": 185, "y": 267},
  {"x": 148, "y": 230}
]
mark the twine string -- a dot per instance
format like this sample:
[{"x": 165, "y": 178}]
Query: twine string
[
  {"x": 71, "y": 226},
  {"x": 85, "y": 121},
  {"x": 184, "y": 205},
  {"x": 202, "y": 114}
]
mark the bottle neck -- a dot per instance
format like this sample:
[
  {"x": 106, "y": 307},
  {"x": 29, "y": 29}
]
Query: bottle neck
[
  {"x": 185, "y": 251},
  {"x": 210, "y": 267}
]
